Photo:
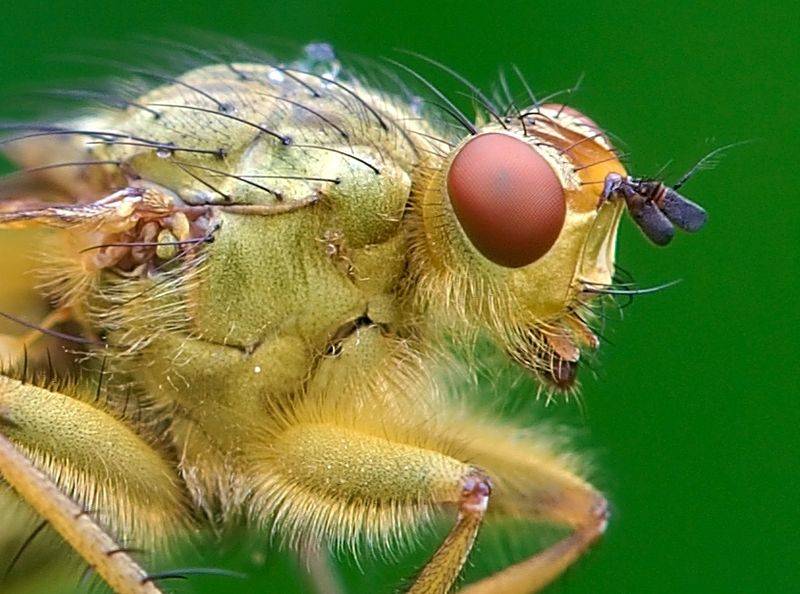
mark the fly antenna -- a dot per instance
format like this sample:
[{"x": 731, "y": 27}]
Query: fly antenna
[{"x": 707, "y": 162}]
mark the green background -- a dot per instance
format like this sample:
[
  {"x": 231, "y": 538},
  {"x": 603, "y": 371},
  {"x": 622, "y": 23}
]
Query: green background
[{"x": 693, "y": 417}]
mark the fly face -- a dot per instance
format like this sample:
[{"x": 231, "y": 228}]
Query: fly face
[{"x": 525, "y": 210}]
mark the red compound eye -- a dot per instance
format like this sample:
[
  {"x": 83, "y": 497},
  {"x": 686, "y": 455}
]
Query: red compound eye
[{"x": 507, "y": 199}]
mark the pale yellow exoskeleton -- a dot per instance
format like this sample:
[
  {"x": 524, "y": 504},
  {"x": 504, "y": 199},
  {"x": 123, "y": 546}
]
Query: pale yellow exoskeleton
[{"x": 268, "y": 260}]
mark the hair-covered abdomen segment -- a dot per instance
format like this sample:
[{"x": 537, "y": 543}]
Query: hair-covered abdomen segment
[{"x": 507, "y": 198}]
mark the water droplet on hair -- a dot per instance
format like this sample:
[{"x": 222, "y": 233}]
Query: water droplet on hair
[
  {"x": 417, "y": 103},
  {"x": 320, "y": 58}
]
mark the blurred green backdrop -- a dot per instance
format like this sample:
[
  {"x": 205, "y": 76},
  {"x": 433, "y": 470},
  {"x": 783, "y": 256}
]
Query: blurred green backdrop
[{"x": 694, "y": 416}]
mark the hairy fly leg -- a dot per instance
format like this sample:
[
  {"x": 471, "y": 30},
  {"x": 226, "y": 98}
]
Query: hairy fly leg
[
  {"x": 85, "y": 535},
  {"x": 532, "y": 482},
  {"x": 320, "y": 481},
  {"x": 82, "y": 469},
  {"x": 375, "y": 449}
]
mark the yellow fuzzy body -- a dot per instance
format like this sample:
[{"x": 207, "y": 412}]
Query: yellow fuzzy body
[{"x": 285, "y": 360}]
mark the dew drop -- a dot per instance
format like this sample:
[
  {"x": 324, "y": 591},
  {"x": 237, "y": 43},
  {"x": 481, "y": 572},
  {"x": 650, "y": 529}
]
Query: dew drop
[
  {"x": 320, "y": 58},
  {"x": 417, "y": 104}
]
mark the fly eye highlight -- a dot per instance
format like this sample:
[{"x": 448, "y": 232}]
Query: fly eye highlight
[{"x": 507, "y": 199}]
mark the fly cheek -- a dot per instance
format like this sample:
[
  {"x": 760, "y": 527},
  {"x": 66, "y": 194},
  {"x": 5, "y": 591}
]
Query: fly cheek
[{"x": 507, "y": 198}]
